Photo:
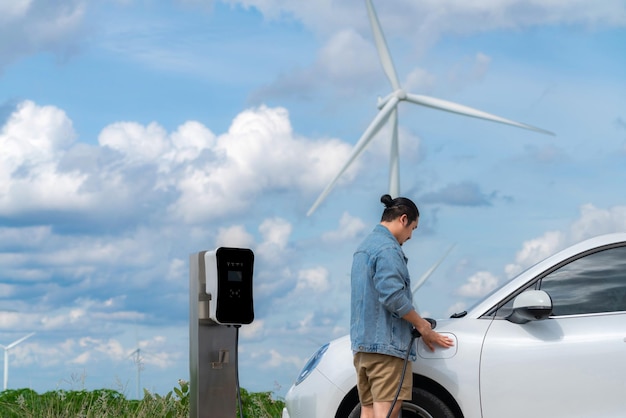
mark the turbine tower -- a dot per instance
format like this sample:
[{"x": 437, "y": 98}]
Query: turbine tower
[
  {"x": 6, "y": 357},
  {"x": 388, "y": 111},
  {"x": 138, "y": 360}
]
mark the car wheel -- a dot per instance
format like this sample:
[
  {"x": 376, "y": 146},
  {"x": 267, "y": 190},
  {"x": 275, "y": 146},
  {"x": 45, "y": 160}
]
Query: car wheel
[{"x": 422, "y": 405}]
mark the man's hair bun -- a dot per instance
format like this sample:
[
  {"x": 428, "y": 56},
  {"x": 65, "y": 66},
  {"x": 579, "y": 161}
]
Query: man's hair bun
[{"x": 386, "y": 200}]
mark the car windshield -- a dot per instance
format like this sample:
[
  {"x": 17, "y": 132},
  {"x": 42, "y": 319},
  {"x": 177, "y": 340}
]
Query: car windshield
[{"x": 488, "y": 295}]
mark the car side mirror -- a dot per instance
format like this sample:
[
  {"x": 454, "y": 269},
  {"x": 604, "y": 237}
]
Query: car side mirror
[{"x": 531, "y": 305}]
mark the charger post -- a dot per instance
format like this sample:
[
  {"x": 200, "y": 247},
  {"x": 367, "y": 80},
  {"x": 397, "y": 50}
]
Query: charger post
[{"x": 220, "y": 300}]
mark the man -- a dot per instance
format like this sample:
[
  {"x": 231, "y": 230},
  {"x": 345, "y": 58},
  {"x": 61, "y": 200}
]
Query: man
[{"x": 382, "y": 312}]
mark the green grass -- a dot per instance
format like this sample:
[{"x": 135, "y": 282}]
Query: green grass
[{"x": 106, "y": 403}]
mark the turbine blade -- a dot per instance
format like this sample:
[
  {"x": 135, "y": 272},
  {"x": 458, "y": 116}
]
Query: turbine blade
[
  {"x": 381, "y": 46},
  {"x": 429, "y": 272},
  {"x": 394, "y": 158},
  {"x": 468, "y": 111},
  {"x": 367, "y": 136},
  {"x": 14, "y": 343}
]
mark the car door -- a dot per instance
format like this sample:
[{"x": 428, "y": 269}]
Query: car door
[{"x": 572, "y": 364}]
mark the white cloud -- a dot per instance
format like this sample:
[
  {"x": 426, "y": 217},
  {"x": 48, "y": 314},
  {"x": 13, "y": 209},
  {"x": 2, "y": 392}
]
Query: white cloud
[
  {"x": 35, "y": 133},
  {"x": 276, "y": 233},
  {"x": 419, "y": 24},
  {"x": 306, "y": 324},
  {"x": 347, "y": 56},
  {"x": 314, "y": 279},
  {"x": 534, "y": 251},
  {"x": 32, "y": 236},
  {"x": 59, "y": 321},
  {"x": 82, "y": 358},
  {"x": 449, "y": 15},
  {"x": 593, "y": 221},
  {"x": 478, "y": 285},
  {"x": 85, "y": 312},
  {"x": 349, "y": 228},
  {"x": 155, "y": 352},
  {"x": 136, "y": 142},
  {"x": 89, "y": 349},
  {"x": 274, "y": 359},
  {"x": 109, "y": 347},
  {"x": 254, "y": 330},
  {"x": 344, "y": 63},
  {"x": 234, "y": 236},
  {"x": 152, "y": 144},
  {"x": 9, "y": 319},
  {"x": 33, "y": 140},
  {"x": 188, "y": 141},
  {"x": 258, "y": 153},
  {"x": 279, "y": 360},
  {"x": 178, "y": 268},
  {"x": 50, "y": 355},
  {"x": 419, "y": 80},
  {"x": 198, "y": 175}
]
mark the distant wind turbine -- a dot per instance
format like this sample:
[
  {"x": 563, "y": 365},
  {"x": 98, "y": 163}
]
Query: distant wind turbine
[
  {"x": 138, "y": 360},
  {"x": 6, "y": 357},
  {"x": 388, "y": 110}
]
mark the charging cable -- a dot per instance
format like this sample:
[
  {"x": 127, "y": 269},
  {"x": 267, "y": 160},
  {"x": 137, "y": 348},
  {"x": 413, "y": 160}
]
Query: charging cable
[{"x": 415, "y": 334}]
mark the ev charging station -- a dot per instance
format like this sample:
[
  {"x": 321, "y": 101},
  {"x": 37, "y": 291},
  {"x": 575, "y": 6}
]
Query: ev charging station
[{"x": 220, "y": 301}]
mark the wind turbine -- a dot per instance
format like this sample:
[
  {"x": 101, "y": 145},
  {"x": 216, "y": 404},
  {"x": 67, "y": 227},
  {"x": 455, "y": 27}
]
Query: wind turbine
[
  {"x": 388, "y": 110},
  {"x": 6, "y": 357},
  {"x": 138, "y": 360}
]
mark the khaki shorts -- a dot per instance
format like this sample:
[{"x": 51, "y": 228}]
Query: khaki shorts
[{"x": 378, "y": 376}]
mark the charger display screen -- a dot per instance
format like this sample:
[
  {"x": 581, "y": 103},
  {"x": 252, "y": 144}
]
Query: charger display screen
[{"x": 235, "y": 276}]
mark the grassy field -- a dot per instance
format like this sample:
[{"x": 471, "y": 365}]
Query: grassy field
[{"x": 105, "y": 403}]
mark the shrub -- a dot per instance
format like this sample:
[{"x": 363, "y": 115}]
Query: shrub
[{"x": 106, "y": 403}]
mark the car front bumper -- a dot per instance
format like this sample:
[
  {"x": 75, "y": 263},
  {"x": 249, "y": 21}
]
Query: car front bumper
[{"x": 316, "y": 397}]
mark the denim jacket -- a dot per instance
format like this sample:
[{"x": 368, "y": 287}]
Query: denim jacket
[{"x": 381, "y": 296}]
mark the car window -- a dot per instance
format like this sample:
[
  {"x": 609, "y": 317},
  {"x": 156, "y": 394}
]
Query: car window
[
  {"x": 594, "y": 283},
  {"x": 591, "y": 284}
]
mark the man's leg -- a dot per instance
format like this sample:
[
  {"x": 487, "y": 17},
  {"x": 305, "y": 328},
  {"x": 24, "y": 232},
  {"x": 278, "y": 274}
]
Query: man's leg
[
  {"x": 381, "y": 409},
  {"x": 378, "y": 376},
  {"x": 367, "y": 411}
]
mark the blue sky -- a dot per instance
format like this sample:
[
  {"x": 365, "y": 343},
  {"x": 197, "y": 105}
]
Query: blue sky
[{"x": 134, "y": 133}]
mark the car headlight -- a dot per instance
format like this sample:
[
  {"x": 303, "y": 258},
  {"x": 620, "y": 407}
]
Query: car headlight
[{"x": 312, "y": 363}]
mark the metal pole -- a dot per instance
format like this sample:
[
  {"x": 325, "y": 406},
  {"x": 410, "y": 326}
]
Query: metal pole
[{"x": 212, "y": 351}]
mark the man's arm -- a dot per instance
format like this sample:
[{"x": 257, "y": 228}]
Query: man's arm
[{"x": 429, "y": 336}]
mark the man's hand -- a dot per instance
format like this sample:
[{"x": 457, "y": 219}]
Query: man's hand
[{"x": 431, "y": 338}]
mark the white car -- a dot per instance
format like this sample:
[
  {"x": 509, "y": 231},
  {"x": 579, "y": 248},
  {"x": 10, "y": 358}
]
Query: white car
[{"x": 551, "y": 342}]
